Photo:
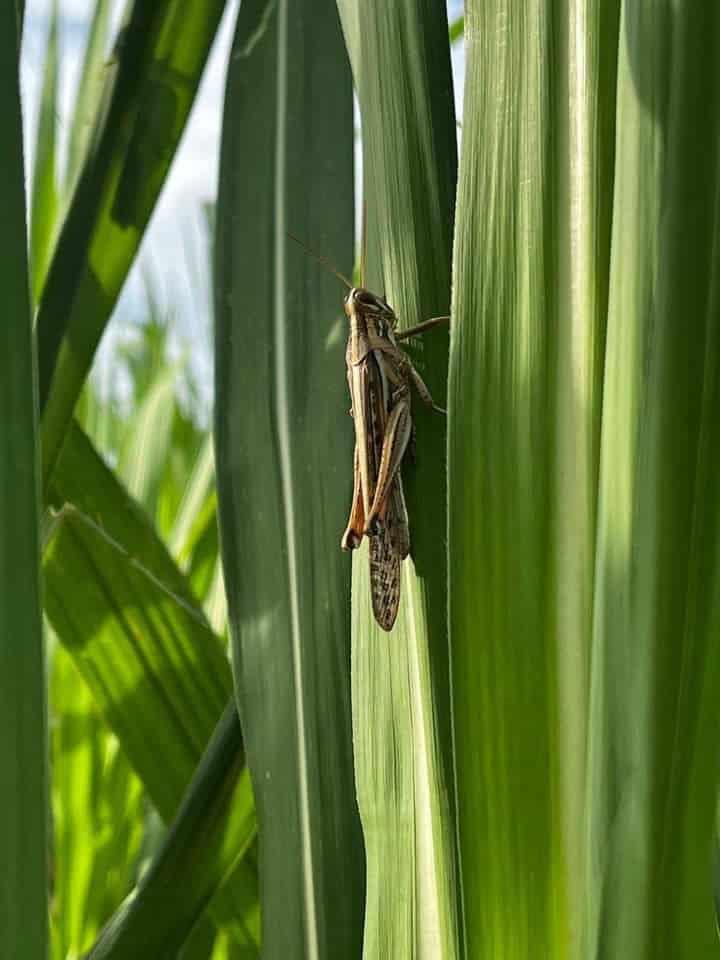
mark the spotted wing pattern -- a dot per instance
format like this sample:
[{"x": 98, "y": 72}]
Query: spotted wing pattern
[{"x": 384, "y": 579}]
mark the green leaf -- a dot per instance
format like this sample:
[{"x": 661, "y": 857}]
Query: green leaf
[
  {"x": 144, "y": 454},
  {"x": 215, "y": 604},
  {"x": 656, "y": 660},
  {"x": 403, "y": 758},
  {"x": 210, "y": 831},
  {"x": 89, "y": 90},
  {"x": 97, "y": 813},
  {"x": 144, "y": 650},
  {"x": 44, "y": 204},
  {"x": 149, "y": 89},
  {"x": 199, "y": 488},
  {"x": 283, "y": 446},
  {"x": 126, "y": 614},
  {"x": 506, "y": 350},
  {"x": 23, "y": 751},
  {"x": 457, "y": 29}
]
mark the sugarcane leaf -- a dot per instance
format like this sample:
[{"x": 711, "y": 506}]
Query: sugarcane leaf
[
  {"x": 401, "y": 64},
  {"x": 89, "y": 91},
  {"x": 97, "y": 813},
  {"x": 23, "y": 749},
  {"x": 194, "y": 502},
  {"x": 208, "y": 834},
  {"x": 653, "y": 782},
  {"x": 44, "y": 203},
  {"x": 283, "y": 454},
  {"x": 126, "y": 614},
  {"x": 146, "y": 447},
  {"x": 149, "y": 88},
  {"x": 457, "y": 29}
]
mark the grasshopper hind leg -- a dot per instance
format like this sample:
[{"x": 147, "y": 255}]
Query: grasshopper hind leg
[{"x": 395, "y": 442}]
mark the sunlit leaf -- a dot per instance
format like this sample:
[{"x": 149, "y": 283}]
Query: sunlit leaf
[
  {"x": 149, "y": 88},
  {"x": 44, "y": 204},
  {"x": 401, "y": 62},
  {"x": 125, "y": 612},
  {"x": 97, "y": 813}
]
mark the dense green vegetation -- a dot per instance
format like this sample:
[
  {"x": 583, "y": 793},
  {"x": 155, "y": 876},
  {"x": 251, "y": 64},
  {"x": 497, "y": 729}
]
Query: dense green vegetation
[{"x": 224, "y": 756}]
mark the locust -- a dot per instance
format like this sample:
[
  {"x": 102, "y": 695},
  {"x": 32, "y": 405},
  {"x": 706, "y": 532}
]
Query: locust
[{"x": 380, "y": 376}]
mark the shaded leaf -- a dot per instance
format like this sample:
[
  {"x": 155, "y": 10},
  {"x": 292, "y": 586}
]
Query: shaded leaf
[
  {"x": 656, "y": 662},
  {"x": 23, "y": 749},
  {"x": 208, "y": 834},
  {"x": 283, "y": 454}
]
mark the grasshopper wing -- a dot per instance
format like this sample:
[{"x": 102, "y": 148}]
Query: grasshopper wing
[
  {"x": 396, "y": 519},
  {"x": 384, "y": 579}
]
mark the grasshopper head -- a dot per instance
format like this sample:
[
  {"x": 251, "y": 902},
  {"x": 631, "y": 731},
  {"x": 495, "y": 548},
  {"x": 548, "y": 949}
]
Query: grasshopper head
[{"x": 360, "y": 300}]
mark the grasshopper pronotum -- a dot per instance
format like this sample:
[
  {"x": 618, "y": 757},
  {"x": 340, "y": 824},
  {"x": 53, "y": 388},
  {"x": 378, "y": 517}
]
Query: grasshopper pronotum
[{"x": 379, "y": 376}]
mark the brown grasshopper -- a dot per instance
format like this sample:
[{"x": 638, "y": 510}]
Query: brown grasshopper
[{"x": 379, "y": 375}]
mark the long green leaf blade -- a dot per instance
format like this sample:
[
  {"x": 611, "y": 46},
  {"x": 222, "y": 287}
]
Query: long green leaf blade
[
  {"x": 656, "y": 660},
  {"x": 146, "y": 446},
  {"x": 401, "y": 62},
  {"x": 283, "y": 458},
  {"x": 97, "y": 813},
  {"x": 500, "y": 474},
  {"x": 145, "y": 652},
  {"x": 209, "y": 833},
  {"x": 44, "y": 207},
  {"x": 457, "y": 29},
  {"x": 23, "y": 756},
  {"x": 89, "y": 90},
  {"x": 149, "y": 89},
  {"x": 127, "y": 615}
]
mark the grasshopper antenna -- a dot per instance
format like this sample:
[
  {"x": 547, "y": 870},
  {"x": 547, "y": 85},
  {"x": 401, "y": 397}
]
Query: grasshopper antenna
[{"x": 328, "y": 264}]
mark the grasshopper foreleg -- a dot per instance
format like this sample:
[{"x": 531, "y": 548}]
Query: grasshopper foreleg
[{"x": 421, "y": 328}]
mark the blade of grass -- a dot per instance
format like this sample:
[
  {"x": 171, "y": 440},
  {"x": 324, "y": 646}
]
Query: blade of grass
[
  {"x": 23, "y": 748},
  {"x": 457, "y": 29},
  {"x": 401, "y": 62},
  {"x": 653, "y": 791},
  {"x": 138, "y": 638},
  {"x": 97, "y": 813},
  {"x": 531, "y": 301},
  {"x": 146, "y": 447},
  {"x": 198, "y": 490},
  {"x": 44, "y": 204},
  {"x": 500, "y": 473},
  {"x": 149, "y": 89},
  {"x": 205, "y": 839},
  {"x": 89, "y": 91},
  {"x": 283, "y": 457}
]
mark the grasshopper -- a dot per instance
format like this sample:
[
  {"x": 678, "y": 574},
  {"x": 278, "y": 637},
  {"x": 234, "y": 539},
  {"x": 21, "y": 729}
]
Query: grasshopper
[{"x": 380, "y": 375}]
